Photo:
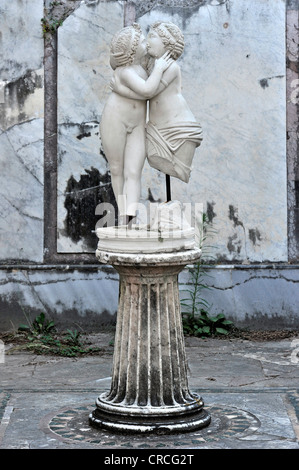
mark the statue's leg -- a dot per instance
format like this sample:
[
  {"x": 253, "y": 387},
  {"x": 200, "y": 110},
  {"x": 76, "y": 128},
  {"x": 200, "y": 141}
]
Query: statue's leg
[
  {"x": 133, "y": 164},
  {"x": 114, "y": 147},
  {"x": 185, "y": 155}
]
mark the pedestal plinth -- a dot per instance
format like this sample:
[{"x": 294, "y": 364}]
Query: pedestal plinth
[{"x": 149, "y": 389}]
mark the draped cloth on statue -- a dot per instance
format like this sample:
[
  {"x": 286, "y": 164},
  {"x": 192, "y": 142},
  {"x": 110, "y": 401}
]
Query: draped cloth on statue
[{"x": 166, "y": 149}]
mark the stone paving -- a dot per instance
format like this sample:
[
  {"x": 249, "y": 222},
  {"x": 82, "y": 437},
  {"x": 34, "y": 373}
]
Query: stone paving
[{"x": 251, "y": 390}]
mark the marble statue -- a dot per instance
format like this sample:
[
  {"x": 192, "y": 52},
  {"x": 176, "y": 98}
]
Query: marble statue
[
  {"x": 149, "y": 390},
  {"x": 122, "y": 125},
  {"x": 172, "y": 133}
]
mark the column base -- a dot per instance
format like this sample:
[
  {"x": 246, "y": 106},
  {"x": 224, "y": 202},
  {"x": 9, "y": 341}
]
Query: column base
[
  {"x": 148, "y": 425},
  {"x": 149, "y": 390}
]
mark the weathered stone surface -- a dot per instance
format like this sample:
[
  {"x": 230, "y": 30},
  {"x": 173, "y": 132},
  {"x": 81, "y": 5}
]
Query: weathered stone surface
[
  {"x": 22, "y": 206},
  {"x": 259, "y": 297},
  {"x": 83, "y": 85},
  {"x": 149, "y": 388},
  {"x": 21, "y": 131},
  {"x": 233, "y": 72},
  {"x": 270, "y": 292},
  {"x": 21, "y": 38},
  {"x": 264, "y": 297},
  {"x": 71, "y": 297}
]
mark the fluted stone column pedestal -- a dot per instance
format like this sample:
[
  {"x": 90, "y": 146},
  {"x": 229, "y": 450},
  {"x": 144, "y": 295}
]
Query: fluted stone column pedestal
[{"x": 149, "y": 390}]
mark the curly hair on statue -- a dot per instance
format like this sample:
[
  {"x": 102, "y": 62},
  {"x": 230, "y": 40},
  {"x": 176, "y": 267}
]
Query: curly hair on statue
[
  {"x": 124, "y": 45},
  {"x": 172, "y": 37}
]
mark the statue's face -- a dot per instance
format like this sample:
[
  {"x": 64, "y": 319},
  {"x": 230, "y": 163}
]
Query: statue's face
[
  {"x": 141, "y": 48},
  {"x": 155, "y": 46}
]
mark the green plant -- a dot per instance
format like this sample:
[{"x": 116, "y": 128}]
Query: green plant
[
  {"x": 50, "y": 25},
  {"x": 42, "y": 338},
  {"x": 73, "y": 337},
  {"x": 194, "y": 302},
  {"x": 55, "y": 3},
  {"x": 203, "y": 325},
  {"x": 40, "y": 325},
  {"x": 195, "y": 316}
]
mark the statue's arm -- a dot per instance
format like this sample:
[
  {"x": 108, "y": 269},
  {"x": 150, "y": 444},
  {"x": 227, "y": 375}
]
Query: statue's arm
[
  {"x": 173, "y": 72},
  {"x": 146, "y": 88},
  {"x": 169, "y": 75},
  {"x": 118, "y": 87}
]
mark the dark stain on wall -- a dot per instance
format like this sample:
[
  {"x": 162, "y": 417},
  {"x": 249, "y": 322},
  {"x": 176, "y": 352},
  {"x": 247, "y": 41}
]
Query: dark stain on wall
[
  {"x": 264, "y": 83},
  {"x": 234, "y": 245},
  {"x": 254, "y": 235},
  {"x": 233, "y": 215},
  {"x": 16, "y": 93},
  {"x": 84, "y": 134},
  {"x": 81, "y": 200},
  {"x": 24, "y": 86},
  {"x": 210, "y": 211},
  {"x": 150, "y": 196},
  {"x": 13, "y": 312},
  {"x": 143, "y": 7},
  {"x": 185, "y": 8}
]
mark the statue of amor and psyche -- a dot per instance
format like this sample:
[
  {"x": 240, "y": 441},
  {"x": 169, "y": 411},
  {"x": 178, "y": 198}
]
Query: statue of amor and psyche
[
  {"x": 149, "y": 392},
  {"x": 145, "y": 69}
]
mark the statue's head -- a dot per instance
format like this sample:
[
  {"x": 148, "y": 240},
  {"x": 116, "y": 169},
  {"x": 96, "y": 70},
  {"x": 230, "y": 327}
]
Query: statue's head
[
  {"x": 171, "y": 39},
  {"x": 124, "y": 45}
]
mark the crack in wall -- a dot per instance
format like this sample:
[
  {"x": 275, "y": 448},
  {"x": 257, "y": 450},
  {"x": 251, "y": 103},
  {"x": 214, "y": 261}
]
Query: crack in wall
[
  {"x": 22, "y": 213},
  {"x": 252, "y": 278},
  {"x": 15, "y": 151},
  {"x": 49, "y": 282},
  {"x": 34, "y": 293}
]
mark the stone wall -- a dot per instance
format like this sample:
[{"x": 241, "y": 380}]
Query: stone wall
[
  {"x": 22, "y": 131},
  {"x": 240, "y": 77}
]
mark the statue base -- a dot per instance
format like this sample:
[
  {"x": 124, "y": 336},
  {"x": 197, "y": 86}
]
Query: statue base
[
  {"x": 142, "y": 239},
  {"x": 169, "y": 231}
]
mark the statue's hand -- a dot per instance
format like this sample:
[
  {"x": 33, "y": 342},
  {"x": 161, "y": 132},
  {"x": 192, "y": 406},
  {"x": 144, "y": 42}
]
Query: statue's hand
[
  {"x": 112, "y": 84},
  {"x": 164, "y": 62},
  {"x": 116, "y": 86}
]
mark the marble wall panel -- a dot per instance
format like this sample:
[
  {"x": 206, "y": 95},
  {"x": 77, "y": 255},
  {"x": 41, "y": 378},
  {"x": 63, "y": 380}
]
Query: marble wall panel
[
  {"x": 83, "y": 86},
  {"x": 233, "y": 71},
  {"x": 21, "y": 130}
]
